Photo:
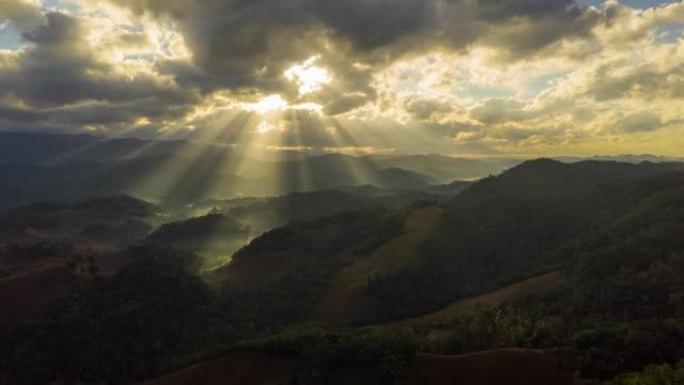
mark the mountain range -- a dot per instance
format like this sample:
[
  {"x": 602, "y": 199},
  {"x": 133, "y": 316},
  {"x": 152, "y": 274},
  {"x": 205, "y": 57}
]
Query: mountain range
[
  {"x": 572, "y": 268},
  {"x": 42, "y": 166}
]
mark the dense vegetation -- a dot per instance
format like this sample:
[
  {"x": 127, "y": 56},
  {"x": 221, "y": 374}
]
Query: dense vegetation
[
  {"x": 117, "y": 219},
  {"x": 119, "y": 328},
  {"x": 537, "y": 217},
  {"x": 269, "y": 213},
  {"x": 291, "y": 296},
  {"x": 613, "y": 230},
  {"x": 323, "y": 355},
  {"x": 664, "y": 374},
  {"x": 211, "y": 235},
  {"x": 264, "y": 214}
]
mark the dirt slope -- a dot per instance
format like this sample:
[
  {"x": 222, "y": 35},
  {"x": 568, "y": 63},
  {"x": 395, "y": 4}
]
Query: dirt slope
[
  {"x": 496, "y": 367},
  {"x": 28, "y": 291},
  {"x": 344, "y": 298},
  {"x": 236, "y": 369}
]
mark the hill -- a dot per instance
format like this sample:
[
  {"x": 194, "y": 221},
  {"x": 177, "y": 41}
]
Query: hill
[
  {"x": 584, "y": 258},
  {"x": 59, "y": 149},
  {"x": 27, "y": 292},
  {"x": 520, "y": 224},
  {"x": 116, "y": 220},
  {"x": 444, "y": 169},
  {"x": 263, "y": 214},
  {"x": 231, "y": 224},
  {"x": 215, "y": 237},
  {"x": 343, "y": 300},
  {"x": 526, "y": 222},
  {"x": 511, "y": 293}
]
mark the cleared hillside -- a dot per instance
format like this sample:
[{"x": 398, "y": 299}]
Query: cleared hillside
[
  {"x": 30, "y": 290},
  {"x": 236, "y": 369},
  {"x": 496, "y": 367},
  {"x": 344, "y": 300}
]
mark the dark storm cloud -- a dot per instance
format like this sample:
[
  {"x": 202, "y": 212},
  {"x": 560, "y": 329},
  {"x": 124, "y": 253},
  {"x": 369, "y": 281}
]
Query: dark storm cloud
[
  {"x": 370, "y": 24},
  {"x": 521, "y": 28},
  {"x": 501, "y": 10},
  {"x": 59, "y": 69},
  {"x": 242, "y": 43},
  {"x": 244, "y": 46},
  {"x": 251, "y": 43}
]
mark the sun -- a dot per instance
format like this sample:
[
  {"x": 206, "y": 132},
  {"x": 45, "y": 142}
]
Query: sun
[{"x": 309, "y": 77}]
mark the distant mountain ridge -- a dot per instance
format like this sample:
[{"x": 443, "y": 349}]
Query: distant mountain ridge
[
  {"x": 54, "y": 166},
  {"x": 626, "y": 158},
  {"x": 37, "y": 167}
]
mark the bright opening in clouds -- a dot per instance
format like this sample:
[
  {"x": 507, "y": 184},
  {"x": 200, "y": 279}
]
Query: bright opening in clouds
[
  {"x": 271, "y": 103},
  {"x": 308, "y": 77}
]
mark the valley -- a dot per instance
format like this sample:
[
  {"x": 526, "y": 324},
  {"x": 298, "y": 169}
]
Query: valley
[{"x": 547, "y": 272}]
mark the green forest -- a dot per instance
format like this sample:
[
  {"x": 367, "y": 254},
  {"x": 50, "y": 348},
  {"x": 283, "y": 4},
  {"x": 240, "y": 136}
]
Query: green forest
[{"x": 612, "y": 230}]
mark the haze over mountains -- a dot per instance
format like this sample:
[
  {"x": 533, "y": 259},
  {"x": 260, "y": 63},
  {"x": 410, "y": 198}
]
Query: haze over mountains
[
  {"x": 51, "y": 166},
  {"x": 45, "y": 166}
]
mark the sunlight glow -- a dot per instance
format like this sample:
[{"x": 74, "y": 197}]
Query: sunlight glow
[
  {"x": 265, "y": 127},
  {"x": 309, "y": 77},
  {"x": 271, "y": 103}
]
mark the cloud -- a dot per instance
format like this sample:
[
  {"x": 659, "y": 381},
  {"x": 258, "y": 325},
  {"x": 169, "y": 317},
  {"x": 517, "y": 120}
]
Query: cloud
[
  {"x": 422, "y": 109},
  {"x": 60, "y": 77},
  {"x": 249, "y": 44},
  {"x": 647, "y": 81},
  {"x": 429, "y": 75},
  {"x": 25, "y": 14},
  {"x": 638, "y": 122},
  {"x": 501, "y": 110}
]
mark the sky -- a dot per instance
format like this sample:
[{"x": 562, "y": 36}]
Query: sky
[{"x": 471, "y": 78}]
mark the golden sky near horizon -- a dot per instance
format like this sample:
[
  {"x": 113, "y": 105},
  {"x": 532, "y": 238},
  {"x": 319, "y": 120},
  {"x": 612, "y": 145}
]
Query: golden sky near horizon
[{"x": 462, "y": 77}]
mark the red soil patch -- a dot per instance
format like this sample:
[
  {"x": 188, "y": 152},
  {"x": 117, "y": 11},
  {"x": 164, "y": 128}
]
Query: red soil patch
[
  {"x": 496, "y": 367},
  {"x": 237, "y": 369},
  {"x": 32, "y": 288}
]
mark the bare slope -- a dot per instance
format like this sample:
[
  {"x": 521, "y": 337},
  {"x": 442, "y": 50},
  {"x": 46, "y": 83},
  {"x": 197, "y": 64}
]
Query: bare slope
[
  {"x": 495, "y": 367},
  {"x": 236, "y": 369},
  {"x": 30, "y": 290},
  {"x": 344, "y": 298}
]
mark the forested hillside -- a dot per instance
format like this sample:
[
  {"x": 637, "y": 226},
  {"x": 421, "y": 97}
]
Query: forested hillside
[{"x": 579, "y": 264}]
